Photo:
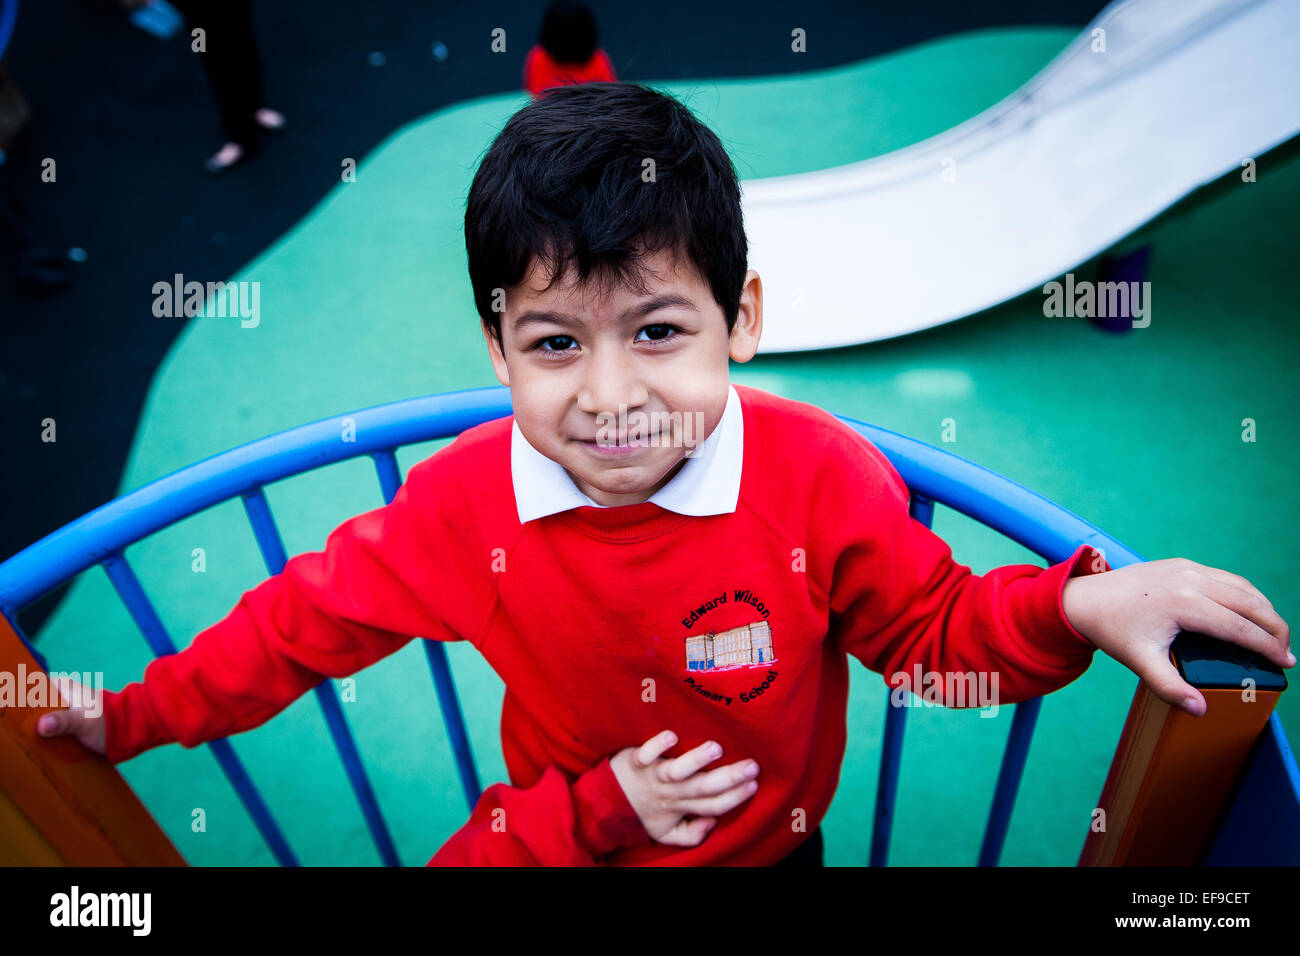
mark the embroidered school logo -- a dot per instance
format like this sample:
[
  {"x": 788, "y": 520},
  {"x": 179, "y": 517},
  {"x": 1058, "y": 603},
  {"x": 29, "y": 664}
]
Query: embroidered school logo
[{"x": 749, "y": 645}]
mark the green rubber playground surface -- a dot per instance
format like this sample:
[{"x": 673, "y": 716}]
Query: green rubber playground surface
[{"x": 367, "y": 301}]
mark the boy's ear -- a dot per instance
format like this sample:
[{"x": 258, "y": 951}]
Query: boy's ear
[
  {"x": 748, "y": 329},
  {"x": 495, "y": 354}
]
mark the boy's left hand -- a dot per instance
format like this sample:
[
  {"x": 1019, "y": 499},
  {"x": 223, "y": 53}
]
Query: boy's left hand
[{"x": 1135, "y": 612}]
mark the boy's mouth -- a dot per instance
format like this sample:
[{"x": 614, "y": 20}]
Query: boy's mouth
[{"x": 623, "y": 446}]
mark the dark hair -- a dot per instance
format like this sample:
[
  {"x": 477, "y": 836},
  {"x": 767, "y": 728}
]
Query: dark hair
[
  {"x": 568, "y": 32},
  {"x": 562, "y": 182}
]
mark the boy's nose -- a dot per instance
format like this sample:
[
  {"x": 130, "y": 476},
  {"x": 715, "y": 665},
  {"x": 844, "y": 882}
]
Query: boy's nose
[{"x": 610, "y": 383}]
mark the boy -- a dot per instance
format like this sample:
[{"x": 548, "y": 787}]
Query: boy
[{"x": 643, "y": 545}]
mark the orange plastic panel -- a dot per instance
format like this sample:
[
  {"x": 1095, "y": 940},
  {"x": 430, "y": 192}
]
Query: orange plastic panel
[
  {"x": 61, "y": 803},
  {"x": 1172, "y": 777}
]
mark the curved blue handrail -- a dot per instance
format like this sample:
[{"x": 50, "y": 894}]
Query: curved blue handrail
[
  {"x": 100, "y": 537},
  {"x": 1047, "y": 529},
  {"x": 91, "y": 538},
  {"x": 8, "y": 17}
]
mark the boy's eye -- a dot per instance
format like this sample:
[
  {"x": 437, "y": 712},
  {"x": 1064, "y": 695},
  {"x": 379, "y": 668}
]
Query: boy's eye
[
  {"x": 659, "y": 332},
  {"x": 564, "y": 341},
  {"x": 553, "y": 344}
]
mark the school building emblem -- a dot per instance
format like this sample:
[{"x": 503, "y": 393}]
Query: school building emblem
[{"x": 749, "y": 645}]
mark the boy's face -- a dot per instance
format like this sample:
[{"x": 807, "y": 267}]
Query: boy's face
[{"x": 573, "y": 360}]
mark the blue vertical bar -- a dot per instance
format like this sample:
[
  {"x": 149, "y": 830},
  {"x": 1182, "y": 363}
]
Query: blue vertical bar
[
  {"x": 273, "y": 553},
  {"x": 450, "y": 705},
  {"x": 390, "y": 476},
  {"x": 155, "y": 634},
  {"x": 922, "y": 509},
  {"x": 390, "y": 479},
  {"x": 891, "y": 748},
  {"x": 1013, "y": 768}
]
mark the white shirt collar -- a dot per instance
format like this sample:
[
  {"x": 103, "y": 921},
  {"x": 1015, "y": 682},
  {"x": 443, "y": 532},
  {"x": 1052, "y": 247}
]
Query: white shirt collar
[{"x": 708, "y": 483}]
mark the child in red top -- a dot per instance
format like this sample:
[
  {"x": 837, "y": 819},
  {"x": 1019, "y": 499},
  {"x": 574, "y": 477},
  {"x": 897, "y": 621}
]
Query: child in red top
[
  {"x": 567, "y": 51},
  {"x": 644, "y": 547}
]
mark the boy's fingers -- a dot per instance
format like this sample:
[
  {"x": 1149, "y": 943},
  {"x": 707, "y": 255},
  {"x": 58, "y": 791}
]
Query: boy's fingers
[
  {"x": 687, "y": 764},
  {"x": 1160, "y": 674},
  {"x": 1227, "y": 623},
  {"x": 652, "y": 749},
  {"x": 1236, "y": 580},
  {"x": 73, "y": 696},
  {"x": 716, "y": 806},
  {"x": 1249, "y": 603},
  {"x": 698, "y": 829},
  {"x": 53, "y": 724},
  {"x": 720, "y": 780},
  {"x": 689, "y": 832}
]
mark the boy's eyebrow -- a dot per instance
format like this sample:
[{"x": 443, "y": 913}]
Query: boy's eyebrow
[{"x": 661, "y": 301}]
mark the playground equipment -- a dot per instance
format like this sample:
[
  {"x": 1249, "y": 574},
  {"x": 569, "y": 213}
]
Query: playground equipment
[
  {"x": 61, "y": 804},
  {"x": 1153, "y": 101}
]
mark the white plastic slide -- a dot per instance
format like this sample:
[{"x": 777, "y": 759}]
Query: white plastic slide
[{"x": 1154, "y": 99}]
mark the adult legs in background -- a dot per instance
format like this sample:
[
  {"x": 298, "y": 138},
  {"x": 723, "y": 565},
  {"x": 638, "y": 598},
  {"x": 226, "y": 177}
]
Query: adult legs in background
[{"x": 234, "y": 71}]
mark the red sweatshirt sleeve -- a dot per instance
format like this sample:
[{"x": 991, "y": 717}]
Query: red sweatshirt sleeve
[
  {"x": 553, "y": 823},
  {"x": 897, "y": 598},
  {"x": 384, "y": 577}
]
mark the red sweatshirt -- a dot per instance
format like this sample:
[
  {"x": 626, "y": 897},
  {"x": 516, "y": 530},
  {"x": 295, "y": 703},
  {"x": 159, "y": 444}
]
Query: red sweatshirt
[
  {"x": 609, "y": 625},
  {"x": 542, "y": 72}
]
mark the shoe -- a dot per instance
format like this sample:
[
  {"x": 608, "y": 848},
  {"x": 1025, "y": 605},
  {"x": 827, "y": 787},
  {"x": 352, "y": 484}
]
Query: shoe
[
  {"x": 231, "y": 154},
  {"x": 269, "y": 120}
]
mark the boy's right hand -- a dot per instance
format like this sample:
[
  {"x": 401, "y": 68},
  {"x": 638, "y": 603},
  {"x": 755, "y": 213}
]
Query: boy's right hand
[
  {"x": 84, "y": 720},
  {"x": 663, "y": 790}
]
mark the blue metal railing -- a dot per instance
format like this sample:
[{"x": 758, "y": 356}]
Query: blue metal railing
[
  {"x": 100, "y": 537},
  {"x": 1044, "y": 527},
  {"x": 8, "y": 17}
]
